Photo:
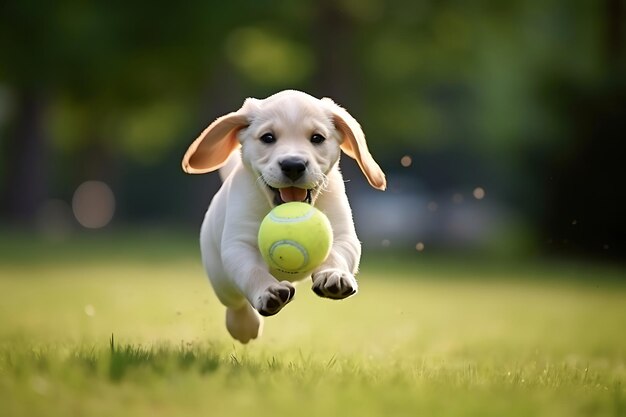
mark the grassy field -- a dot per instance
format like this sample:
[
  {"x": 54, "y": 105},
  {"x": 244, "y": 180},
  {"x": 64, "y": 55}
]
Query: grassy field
[{"x": 129, "y": 327}]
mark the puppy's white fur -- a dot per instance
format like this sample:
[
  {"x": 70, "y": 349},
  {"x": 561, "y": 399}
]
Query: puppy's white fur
[{"x": 228, "y": 237}]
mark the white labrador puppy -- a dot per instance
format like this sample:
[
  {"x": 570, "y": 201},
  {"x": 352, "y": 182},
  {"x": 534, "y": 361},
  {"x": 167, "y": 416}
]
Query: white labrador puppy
[{"x": 290, "y": 146}]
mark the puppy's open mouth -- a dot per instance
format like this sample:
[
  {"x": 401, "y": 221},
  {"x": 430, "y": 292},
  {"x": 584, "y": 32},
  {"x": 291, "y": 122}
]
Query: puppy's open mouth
[{"x": 289, "y": 194}]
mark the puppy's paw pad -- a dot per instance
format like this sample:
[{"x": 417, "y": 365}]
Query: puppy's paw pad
[
  {"x": 275, "y": 297},
  {"x": 335, "y": 284}
]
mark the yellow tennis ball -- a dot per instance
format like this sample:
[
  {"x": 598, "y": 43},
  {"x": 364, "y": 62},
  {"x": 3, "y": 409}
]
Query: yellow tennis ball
[{"x": 294, "y": 239}]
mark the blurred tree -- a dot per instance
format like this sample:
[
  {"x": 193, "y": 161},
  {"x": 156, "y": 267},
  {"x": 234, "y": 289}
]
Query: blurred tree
[
  {"x": 478, "y": 92},
  {"x": 585, "y": 199},
  {"x": 110, "y": 77},
  {"x": 28, "y": 64}
]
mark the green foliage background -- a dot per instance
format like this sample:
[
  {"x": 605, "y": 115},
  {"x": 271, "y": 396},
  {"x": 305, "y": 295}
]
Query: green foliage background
[{"x": 505, "y": 95}]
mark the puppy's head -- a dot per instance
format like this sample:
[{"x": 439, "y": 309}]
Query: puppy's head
[{"x": 290, "y": 141}]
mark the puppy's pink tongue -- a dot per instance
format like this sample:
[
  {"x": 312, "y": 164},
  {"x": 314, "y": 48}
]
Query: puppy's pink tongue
[{"x": 292, "y": 194}]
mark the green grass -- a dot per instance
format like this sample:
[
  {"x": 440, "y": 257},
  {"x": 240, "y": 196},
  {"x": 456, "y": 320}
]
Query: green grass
[{"x": 128, "y": 326}]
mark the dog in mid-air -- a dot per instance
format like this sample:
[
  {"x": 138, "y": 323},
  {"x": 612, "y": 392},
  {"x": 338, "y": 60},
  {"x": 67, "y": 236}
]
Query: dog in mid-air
[{"x": 272, "y": 151}]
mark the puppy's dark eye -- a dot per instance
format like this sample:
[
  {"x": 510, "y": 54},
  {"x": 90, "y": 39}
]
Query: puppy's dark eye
[
  {"x": 268, "y": 138},
  {"x": 317, "y": 138}
]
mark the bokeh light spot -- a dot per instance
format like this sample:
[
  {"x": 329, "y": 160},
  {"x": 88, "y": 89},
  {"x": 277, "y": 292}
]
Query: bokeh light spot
[
  {"x": 406, "y": 161},
  {"x": 479, "y": 193},
  {"x": 419, "y": 247},
  {"x": 93, "y": 204},
  {"x": 40, "y": 385}
]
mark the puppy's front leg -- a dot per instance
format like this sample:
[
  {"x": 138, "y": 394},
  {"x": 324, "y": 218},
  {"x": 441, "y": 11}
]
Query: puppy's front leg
[
  {"x": 243, "y": 263},
  {"x": 244, "y": 208},
  {"x": 335, "y": 277}
]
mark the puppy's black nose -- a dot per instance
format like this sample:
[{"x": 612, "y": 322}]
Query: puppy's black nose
[{"x": 293, "y": 168}]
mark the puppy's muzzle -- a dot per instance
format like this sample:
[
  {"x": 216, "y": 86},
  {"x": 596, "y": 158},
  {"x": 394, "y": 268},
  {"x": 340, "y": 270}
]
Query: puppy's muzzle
[{"x": 293, "y": 168}]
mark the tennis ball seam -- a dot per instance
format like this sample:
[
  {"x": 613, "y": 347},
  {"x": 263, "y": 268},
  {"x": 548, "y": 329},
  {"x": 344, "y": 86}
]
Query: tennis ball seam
[
  {"x": 304, "y": 217},
  {"x": 299, "y": 247}
]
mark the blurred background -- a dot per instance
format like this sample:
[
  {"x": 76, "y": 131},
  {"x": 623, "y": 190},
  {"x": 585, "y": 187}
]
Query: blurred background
[{"x": 500, "y": 125}]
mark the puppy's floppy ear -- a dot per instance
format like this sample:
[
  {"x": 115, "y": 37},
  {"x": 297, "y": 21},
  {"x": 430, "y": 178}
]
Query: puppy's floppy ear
[
  {"x": 354, "y": 144},
  {"x": 212, "y": 148}
]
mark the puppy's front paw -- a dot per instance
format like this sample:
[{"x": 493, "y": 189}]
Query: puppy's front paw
[
  {"x": 275, "y": 297},
  {"x": 335, "y": 284}
]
